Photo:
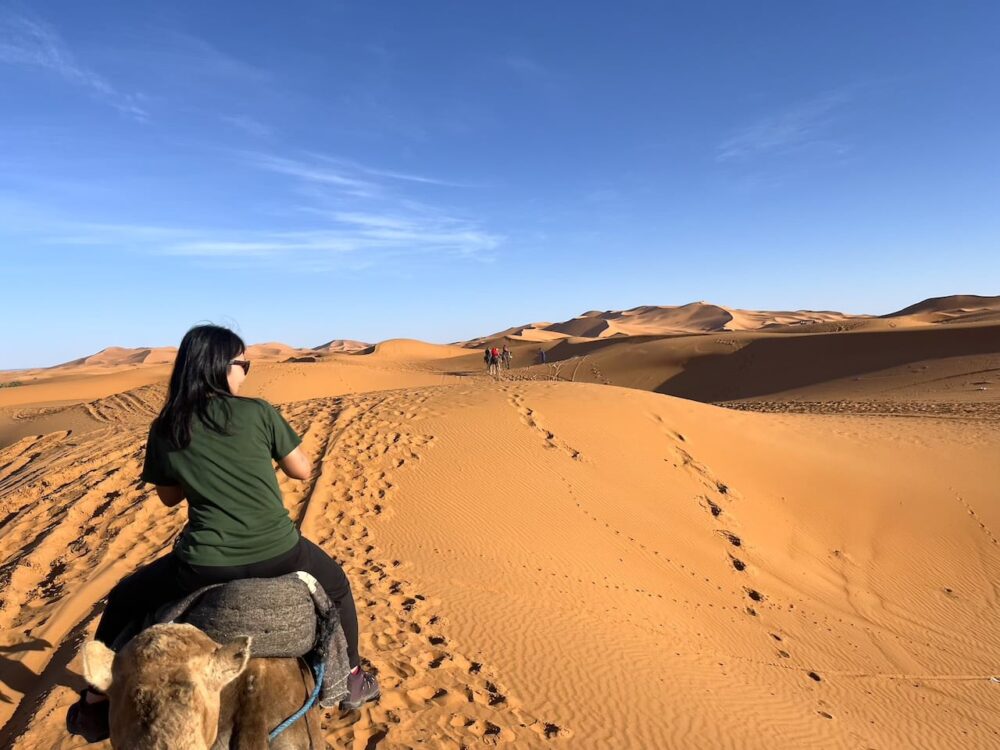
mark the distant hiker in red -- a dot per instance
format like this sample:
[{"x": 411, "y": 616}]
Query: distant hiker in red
[{"x": 494, "y": 362}]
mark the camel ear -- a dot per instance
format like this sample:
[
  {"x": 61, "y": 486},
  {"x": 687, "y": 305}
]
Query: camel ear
[
  {"x": 228, "y": 662},
  {"x": 97, "y": 659}
]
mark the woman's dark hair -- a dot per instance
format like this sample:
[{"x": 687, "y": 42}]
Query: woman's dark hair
[{"x": 200, "y": 374}]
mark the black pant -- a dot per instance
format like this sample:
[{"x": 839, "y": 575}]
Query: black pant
[{"x": 169, "y": 578}]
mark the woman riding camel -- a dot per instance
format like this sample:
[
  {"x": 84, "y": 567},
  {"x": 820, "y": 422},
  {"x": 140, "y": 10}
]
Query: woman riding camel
[{"x": 215, "y": 449}]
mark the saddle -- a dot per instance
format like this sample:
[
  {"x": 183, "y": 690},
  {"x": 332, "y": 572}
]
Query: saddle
[{"x": 288, "y": 616}]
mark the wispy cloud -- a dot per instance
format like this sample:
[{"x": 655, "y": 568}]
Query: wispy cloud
[
  {"x": 183, "y": 52},
  {"x": 340, "y": 216},
  {"x": 351, "y": 166},
  {"x": 804, "y": 125},
  {"x": 31, "y": 43},
  {"x": 313, "y": 171},
  {"x": 248, "y": 125},
  {"x": 374, "y": 237},
  {"x": 348, "y": 176},
  {"x": 413, "y": 178}
]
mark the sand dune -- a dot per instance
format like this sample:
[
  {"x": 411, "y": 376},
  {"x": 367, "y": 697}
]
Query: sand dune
[
  {"x": 272, "y": 351},
  {"x": 590, "y": 327},
  {"x": 537, "y": 334},
  {"x": 548, "y": 560},
  {"x": 946, "y": 309},
  {"x": 740, "y": 365},
  {"x": 116, "y": 356},
  {"x": 695, "y": 317},
  {"x": 63, "y": 387},
  {"x": 342, "y": 345},
  {"x": 705, "y": 317},
  {"x": 83, "y": 404},
  {"x": 572, "y": 564},
  {"x": 411, "y": 349}
]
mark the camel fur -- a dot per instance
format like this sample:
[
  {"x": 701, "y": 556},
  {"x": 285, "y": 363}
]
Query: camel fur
[{"x": 174, "y": 688}]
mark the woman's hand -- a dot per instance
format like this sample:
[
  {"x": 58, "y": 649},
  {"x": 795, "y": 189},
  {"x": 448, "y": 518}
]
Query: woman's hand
[{"x": 296, "y": 465}]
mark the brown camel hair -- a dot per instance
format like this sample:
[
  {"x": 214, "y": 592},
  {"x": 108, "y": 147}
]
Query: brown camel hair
[{"x": 174, "y": 688}]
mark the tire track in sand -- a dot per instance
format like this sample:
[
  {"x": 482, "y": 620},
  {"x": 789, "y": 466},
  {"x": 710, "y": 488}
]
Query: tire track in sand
[{"x": 75, "y": 519}]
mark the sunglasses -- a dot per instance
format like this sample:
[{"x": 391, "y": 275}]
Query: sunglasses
[{"x": 244, "y": 363}]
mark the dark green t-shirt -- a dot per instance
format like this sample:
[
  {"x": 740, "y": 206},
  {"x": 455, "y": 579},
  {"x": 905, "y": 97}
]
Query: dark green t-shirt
[{"x": 235, "y": 512}]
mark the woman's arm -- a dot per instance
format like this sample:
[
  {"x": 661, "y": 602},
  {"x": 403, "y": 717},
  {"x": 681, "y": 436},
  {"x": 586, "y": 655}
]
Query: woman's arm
[
  {"x": 296, "y": 465},
  {"x": 170, "y": 495}
]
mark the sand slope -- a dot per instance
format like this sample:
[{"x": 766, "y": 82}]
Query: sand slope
[
  {"x": 117, "y": 356},
  {"x": 954, "y": 308},
  {"x": 742, "y": 365},
  {"x": 563, "y": 563},
  {"x": 695, "y": 317},
  {"x": 406, "y": 350},
  {"x": 705, "y": 317},
  {"x": 550, "y": 560},
  {"x": 620, "y": 604},
  {"x": 134, "y": 395},
  {"x": 342, "y": 345}
]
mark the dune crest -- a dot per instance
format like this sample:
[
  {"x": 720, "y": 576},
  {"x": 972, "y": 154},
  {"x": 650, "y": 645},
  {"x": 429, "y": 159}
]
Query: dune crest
[
  {"x": 342, "y": 345},
  {"x": 705, "y": 317},
  {"x": 550, "y": 563},
  {"x": 116, "y": 356},
  {"x": 549, "y": 559},
  {"x": 412, "y": 349},
  {"x": 952, "y": 309},
  {"x": 663, "y": 320}
]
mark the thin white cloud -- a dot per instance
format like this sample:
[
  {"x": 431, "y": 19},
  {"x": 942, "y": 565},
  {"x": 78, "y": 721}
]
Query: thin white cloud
[
  {"x": 31, "y": 43},
  {"x": 370, "y": 237},
  {"x": 248, "y": 125},
  {"x": 804, "y": 125},
  {"x": 183, "y": 52},
  {"x": 419, "y": 240},
  {"x": 414, "y": 178},
  {"x": 109, "y": 234},
  {"x": 348, "y": 219},
  {"x": 347, "y": 164},
  {"x": 326, "y": 174},
  {"x": 374, "y": 221}
]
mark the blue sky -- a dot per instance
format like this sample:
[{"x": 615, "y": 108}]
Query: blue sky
[{"x": 440, "y": 170}]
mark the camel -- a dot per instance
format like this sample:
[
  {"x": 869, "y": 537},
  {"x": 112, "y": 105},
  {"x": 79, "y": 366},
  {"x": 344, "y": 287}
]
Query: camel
[{"x": 174, "y": 688}]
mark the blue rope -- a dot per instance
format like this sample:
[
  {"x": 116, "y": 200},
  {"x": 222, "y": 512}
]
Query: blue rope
[{"x": 319, "y": 671}]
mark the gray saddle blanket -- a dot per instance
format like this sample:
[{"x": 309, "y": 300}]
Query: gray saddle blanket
[{"x": 286, "y": 616}]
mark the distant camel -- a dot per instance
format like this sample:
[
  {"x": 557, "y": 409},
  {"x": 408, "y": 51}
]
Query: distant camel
[{"x": 174, "y": 687}]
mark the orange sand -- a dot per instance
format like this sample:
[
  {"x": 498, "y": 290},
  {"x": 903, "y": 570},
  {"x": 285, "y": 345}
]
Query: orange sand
[{"x": 540, "y": 561}]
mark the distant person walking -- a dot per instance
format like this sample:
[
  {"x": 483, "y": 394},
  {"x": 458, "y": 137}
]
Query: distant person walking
[
  {"x": 494, "y": 361},
  {"x": 541, "y": 356},
  {"x": 487, "y": 355},
  {"x": 506, "y": 357}
]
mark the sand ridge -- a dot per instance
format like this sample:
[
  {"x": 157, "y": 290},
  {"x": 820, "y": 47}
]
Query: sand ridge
[
  {"x": 705, "y": 317},
  {"x": 551, "y": 559},
  {"x": 541, "y": 562},
  {"x": 356, "y": 441}
]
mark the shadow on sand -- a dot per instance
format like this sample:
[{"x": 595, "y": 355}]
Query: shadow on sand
[{"x": 782, "y": 362}]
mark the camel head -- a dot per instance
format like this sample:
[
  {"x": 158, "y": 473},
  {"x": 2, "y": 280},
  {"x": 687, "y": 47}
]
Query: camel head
[{"x": 164, "y": 687}]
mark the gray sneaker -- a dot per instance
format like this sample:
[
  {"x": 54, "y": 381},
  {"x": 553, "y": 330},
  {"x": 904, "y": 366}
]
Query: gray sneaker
[{"x": 362, "y": 687}]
